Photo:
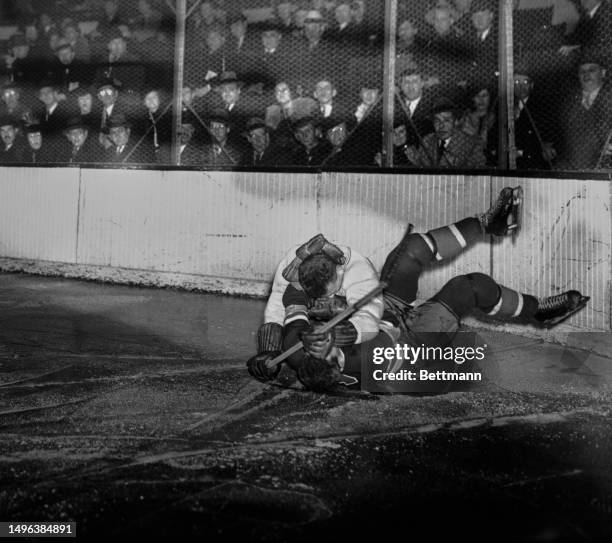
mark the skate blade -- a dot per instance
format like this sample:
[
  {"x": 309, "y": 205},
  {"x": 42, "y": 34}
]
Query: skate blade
[{"x": 561, "y": 318}]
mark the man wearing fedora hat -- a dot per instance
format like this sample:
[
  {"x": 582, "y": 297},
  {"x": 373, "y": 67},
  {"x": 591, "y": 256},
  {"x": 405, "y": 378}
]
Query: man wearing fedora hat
[
  {"x": 66, "y": 71},
  {"x": 220, "y": 150},
  {"x": 124, "y": 150},
  {"x": 110, "y": 96},
  {"x": 483, "y": 40},
  {"x": 53, "y": 113},
  {"x": 586, "y": 124},
  {"x": 82, "y": 148},
  {"x": 11, "y": 147},
  {"x": 122, "y": 65},
  {"x": 229, "y": 98},
  {"x": 447, "y": 146},
  {"x": 264, "y": 153},
  {"x": 37, "y": 150}
]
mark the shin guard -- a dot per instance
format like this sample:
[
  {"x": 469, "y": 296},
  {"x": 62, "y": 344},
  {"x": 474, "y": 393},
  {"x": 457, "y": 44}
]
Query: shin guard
[{"x": 510, "y": 304}]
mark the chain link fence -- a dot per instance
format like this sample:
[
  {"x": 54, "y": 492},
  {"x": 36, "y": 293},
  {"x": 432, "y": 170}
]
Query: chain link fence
[{"x": 281, "y": 84}]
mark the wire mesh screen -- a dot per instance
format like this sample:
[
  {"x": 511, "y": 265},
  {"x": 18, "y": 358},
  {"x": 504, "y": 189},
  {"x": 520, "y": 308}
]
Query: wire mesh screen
[
  {"x": 562, "y": 99},
  {"x": 276, "y": 84}
]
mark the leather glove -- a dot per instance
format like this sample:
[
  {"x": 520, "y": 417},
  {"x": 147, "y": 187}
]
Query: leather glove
[
  {"x": 317, "y": 344},
  {"x": 257, "y": 366}
]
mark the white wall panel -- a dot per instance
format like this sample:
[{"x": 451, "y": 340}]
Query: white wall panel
[
  {"x": 223, "y": 224},
  {"x": 564, "y": 244},
  {"x": 38, "y": 213}
]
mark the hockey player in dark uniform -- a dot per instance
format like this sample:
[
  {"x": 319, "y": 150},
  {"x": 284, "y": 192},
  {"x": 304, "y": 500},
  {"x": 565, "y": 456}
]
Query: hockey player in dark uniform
[{"x": 320, "y": 279}]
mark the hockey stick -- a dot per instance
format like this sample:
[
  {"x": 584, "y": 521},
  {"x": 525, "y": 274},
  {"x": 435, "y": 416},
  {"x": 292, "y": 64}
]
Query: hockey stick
[{"x": 331, "y": 323}]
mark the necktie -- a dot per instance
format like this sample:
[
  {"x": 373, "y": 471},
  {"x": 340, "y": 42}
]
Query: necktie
[
  {"x": 155, "y": 142},
  {"x": 441, "y": 147},
  {"x": 587, "y": 101}
]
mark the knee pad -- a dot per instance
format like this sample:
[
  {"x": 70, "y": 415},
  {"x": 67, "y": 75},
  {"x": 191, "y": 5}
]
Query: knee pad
[{"x": 486, "y": 290}]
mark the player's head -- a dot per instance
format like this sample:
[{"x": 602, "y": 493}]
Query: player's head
[{"x": 318, "y": 275}]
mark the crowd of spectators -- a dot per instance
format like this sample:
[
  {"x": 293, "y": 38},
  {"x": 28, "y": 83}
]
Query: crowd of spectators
[{"x": 299, "y": 83}]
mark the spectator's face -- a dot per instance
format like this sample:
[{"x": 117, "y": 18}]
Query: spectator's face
[
  {"x": 107, "y": 95},
  {"x": 369, "y": 96},
  {"x": 110, "y": 7},
  {"x": 358, "y": 10},
  {"x": 482, "y": 100},
  {"x": 400, "y": 135},
  {"x": 77, "y": 136},
  {"x": 35, "y": 140},
  {"x": 306, "y": 135},
  {"x": 284, "y": 11},
  {"x": 270, "y": 39},
  {"x": 71, "y": 33},
  {"x": 412, "y": 86},
  {"x": 482, "y": 20},
  {"x": 324, "y": 92},
  {"x": 591, "y": 76},
  {"x": 85, "y": 103},
  {"x": 54, "y": 40},
  {"x": 522, "y": 86},
  {"x": 314, "y": 30},
  {"x": 343, "y": 13},
  {"x": 238, "y": 29},
  {"x": 10, "y": 97},
  {"x": 207, "y": 11},
  {"x": 337, "y": 135},
  {"x": 219, "y": 131},
  {"x": 444, "y": 124},
  {"x": 8, "y": 133},
  {"x": 185, "y": 133},
  {"x": 214, "y": 40},
  {"x": 47, "y": 95},
  {"x": 65, "y": 55},
  {"x": 152, "y": 101},
  {"x": 407, "y": 31},
  {"x": 21, "y": 51},
  {"x": 442, "y": 21},
  {"x": 282, "y": 93},
  {"x": 259, "y": 139},
  {"x": 119, "y": 135},
  {"x": 187, "y": 95},
  {"x": 230, "y": 92},
  {"x": 117, "y": 47}
]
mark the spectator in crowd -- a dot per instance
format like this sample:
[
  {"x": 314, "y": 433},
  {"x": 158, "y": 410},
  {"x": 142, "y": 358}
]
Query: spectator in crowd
[
  {"x": 82, "y": 149},
  {"x": 284, "y": 15},
  {"x": 400, "y": 145},
  {"x": 342, "y": 32},
  {"x": 12, "y": 149},
  {"x": 37, "y": 152},
  {"x": 415, "y": 103},
  {"x": 214, "y": 57},
  {"x": 313, "y": 54},
  {"x": 110, "y": 19},
  {"x": 109, "y": 96},
  {"x": 325, "y": 94},
  {"x": 342, "y": 152},
  {"x": 85, "y": 107},
  {"x": 146, "y": 20},
  {"x": 481, "y": 118},
  {"x": 20, "y": 66},
  {"x": 66, "y": 71},
  {"x": 593, "y": 29},
  {"x": 229, "y": 97},
  {"x": 220, "y": 151},
  {"x": 263, "y": 154},
  {"x": 410, "y": 46},
  {"x": 189, "y": 154},
  {"x": 157, "y": 123},
  {"x": 447, "y": 146},
  {"x": 12, "y": 105},
  {"x": 203, "y": 19},
  {"x": 270, "y": 58},
  {"x": 312, "y": 148},
  {"x": 53, "y": 113},
  {"x": 367, "y": 133},
  {"x": 80, "y": 44},
  {"x": 483, "y": 40},
  {"x": 586, "y": 121},
  {"x": 533, "y": 129},
  {"x": 122, "y": 66},
  {"x": 123, "y": 149},
  {"x": 463, "y": 23}
]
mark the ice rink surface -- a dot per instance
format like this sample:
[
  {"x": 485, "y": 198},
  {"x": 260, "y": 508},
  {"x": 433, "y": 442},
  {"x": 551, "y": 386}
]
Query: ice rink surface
[{"x": 129, "y": 410}]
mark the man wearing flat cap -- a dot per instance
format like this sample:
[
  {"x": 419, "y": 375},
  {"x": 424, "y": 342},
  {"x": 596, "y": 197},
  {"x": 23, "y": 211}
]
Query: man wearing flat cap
[{"x": 586, "y": 121}]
